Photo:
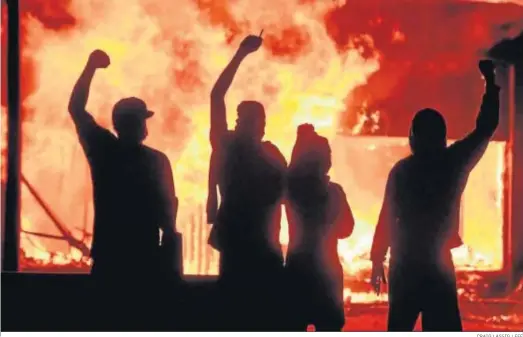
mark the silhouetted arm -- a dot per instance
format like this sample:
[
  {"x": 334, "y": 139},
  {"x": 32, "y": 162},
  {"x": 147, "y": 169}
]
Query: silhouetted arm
[
  {"x": 275, "y": 177},
  {"x": 344, "y": 220},
  {"x": 219, "y": 130},
  {"x": 218, "y": 111},
  {"x": 86, "y": 126},
  {"x": 275, "y": 185},
  {"x": 79, "y": 96},
  {"x": 469, "y": 150},
  {"x": 171, "y": 242},
  {"x": 212, "y": 193},
  {"x": 169, "y": 207},
  {"x": 381, "y": 240}
]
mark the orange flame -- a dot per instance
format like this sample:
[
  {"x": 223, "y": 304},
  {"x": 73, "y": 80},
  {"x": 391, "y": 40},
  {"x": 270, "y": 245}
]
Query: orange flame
[
  {"x": 169, "y": 53},
  {"x": 172, "y": 64}
]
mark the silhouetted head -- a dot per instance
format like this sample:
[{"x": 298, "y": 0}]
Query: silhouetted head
[
  {"x": 307, "y": 179},
  {"x": 251, "y": 120},
  {"x": 129, "y": 120},
  {"x": 428, "y": 132},
  {"x": 311, "y": 154}
]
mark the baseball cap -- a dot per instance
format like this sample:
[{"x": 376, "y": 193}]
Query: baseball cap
[{"x": 131, "y": 106}]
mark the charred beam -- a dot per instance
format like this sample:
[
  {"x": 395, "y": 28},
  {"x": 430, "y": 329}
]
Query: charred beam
[
  {"x": 61, "y": 228},
  {"x": 44, "y": 235}
]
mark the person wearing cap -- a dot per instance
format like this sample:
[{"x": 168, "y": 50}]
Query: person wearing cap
[
  {"x": 419, "y": 219},
  {"x": 250, "y": 175},
  {"x": 133, "y": 188}
]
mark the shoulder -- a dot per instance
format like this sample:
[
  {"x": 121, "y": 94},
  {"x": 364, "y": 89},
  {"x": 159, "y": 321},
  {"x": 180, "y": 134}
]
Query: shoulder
[
  {"x": 97, "y": 142},
  {"x": 99, "y": 135},
  {"x": 336, "y": 190},
  {"x": 401, "y": 165},
  {"x": 398, "y": 170},
  {"x": 273, "y": 152},
  {"x": 224, "y": 142},
  {"x": 270, "y": 147},
  {"x": 335, "y": 187},
  {"x": 157, "y": 155}
]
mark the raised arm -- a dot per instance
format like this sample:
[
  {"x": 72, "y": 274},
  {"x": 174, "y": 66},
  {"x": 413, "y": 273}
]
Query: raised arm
[
  {"x": 78, "y": 101},
  {"x": 218, "y": 111},
  {"x": 469, "y": 150},
  {"x": 88, "y": 131}
]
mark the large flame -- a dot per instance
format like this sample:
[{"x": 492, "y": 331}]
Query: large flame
[
  {"x": 171, "y": 62},
  {"x": 170, "y": 53}
]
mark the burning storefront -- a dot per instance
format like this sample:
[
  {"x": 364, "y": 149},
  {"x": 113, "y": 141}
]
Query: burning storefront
[{"x": 357, "y": 70}]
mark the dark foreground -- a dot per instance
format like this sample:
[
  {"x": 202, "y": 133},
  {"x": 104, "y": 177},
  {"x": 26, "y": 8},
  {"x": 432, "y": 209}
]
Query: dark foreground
[{"x": 51, "y": 302}]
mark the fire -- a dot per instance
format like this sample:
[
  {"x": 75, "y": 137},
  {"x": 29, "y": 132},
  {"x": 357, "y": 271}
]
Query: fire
[
  {"x": 3, "y": 143},
  {"x": 170, "y": 53},
  {"x": 172, "y": 65}
]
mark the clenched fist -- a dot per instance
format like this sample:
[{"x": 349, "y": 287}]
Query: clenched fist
[
  {"x": 99, "y": 59},
  {"x": 251, "y": 44},
  {"x": 487, "y": 69}
]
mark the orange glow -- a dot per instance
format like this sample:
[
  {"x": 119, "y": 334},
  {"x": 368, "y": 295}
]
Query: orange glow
[
  {"x": 3, "y": 143},
  {"x": 170, "y": 53},
  {"x": 147, "y": 60},
  {"x": 361, "y": 166},
  {"x": 398, "y": 36}
]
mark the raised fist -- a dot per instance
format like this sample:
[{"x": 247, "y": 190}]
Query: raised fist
[
  {"x": 251, "y": 44},
  {"x": 99, "y": 59},
  {"x": 487, "y": 68}
]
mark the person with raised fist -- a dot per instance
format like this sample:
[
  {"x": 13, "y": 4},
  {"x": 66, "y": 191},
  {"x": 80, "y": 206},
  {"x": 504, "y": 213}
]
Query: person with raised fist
[
  {"x": 133, "y": 192},
  {"x": 250, "y": 174},
  {"x": 419, "y": 219}
]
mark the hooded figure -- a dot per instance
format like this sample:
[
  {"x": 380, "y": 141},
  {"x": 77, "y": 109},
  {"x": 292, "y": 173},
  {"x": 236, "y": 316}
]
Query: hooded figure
[{"x": 419, "y": 219}]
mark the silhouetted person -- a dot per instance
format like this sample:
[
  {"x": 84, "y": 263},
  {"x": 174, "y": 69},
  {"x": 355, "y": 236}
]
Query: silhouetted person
[
  {"x": 250, "y": 176},
  {"x": 318, "y": 216},
  {"x": 133, "y": 191},
  {"x": 419, "y": 219}
]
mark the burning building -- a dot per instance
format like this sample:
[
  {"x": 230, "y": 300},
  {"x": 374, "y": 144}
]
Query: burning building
[{"x": 357, "y": 70}]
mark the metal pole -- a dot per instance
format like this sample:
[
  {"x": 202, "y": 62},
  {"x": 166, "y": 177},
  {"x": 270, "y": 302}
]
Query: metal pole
[{"x": 12, "y": 205}]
